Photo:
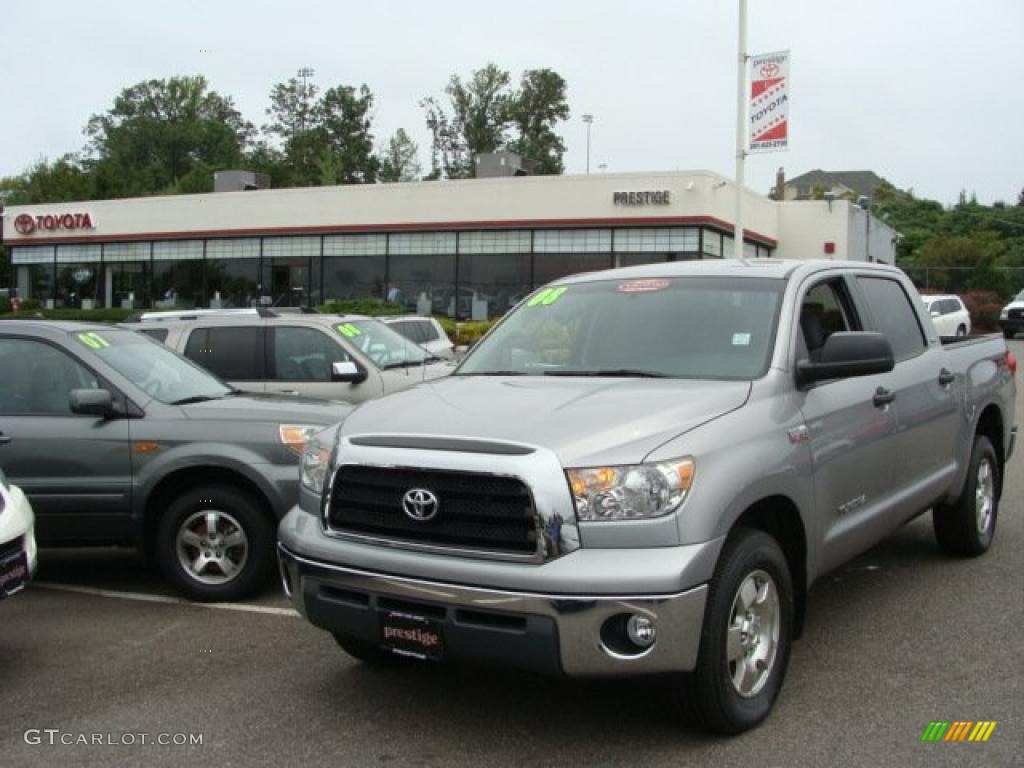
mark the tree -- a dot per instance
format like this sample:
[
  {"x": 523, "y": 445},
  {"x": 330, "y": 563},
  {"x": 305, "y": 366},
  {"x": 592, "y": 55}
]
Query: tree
[
  {"x": 538, "y": 105},
  {"x": 326, "y": 140},
  {"x": 400, "y": 159},
  {"x": 474, "y": 121},
  {"x": 343, "y": 115},
  {"x": 1020, "y": 198},
  {"x": 160, "y": 133},
  {"x": 61, "y": 181}
]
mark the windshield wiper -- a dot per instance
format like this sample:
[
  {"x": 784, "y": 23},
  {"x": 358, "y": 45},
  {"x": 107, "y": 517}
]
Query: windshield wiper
[
  {"x": 403, "y": 364},
  {"x": 494, "y": 373},
  {"x": 196, "y": 399},
  {"x": 618, "y": 372}
]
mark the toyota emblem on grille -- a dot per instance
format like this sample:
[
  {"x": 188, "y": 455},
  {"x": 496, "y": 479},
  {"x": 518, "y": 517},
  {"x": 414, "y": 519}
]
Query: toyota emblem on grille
[{"x": 420, "y": 504}]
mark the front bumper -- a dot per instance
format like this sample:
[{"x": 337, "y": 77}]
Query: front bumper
[
  {"x": 549, "y": 633},
  {"x": 18, "y": 553},
  {"x": 1013, "y": 325}
]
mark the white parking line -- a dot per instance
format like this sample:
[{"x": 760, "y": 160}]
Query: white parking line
[{"x": 141, "y": 597}]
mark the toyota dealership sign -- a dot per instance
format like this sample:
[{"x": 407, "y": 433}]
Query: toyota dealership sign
[{"x": 52, "y": 222}]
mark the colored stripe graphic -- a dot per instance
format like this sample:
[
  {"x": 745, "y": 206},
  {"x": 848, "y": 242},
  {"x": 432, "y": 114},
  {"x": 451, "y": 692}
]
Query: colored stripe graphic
[
  {"x": 982, "y": 730},
  {"x": 935, "y": 730},
  {"x": 959, "y": 730}
]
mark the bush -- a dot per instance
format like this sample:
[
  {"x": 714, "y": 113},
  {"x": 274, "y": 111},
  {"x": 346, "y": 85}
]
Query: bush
[
  {"x": 361, "y": 307},
  {"x": 984, "y": 307},
  {"x": 77, "y": 315},
  {"x": 463, "y": 334},
  {"x": 5, "y": 305}
]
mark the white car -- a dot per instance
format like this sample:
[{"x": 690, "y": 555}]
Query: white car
[
  {"x": 1011, "y": 319},
  {"x": 424, "y": 331},
  {"x": 18, "y": 557},
  {"x": 949, "y": 315}
]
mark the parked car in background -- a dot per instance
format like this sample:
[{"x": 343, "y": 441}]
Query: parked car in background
[
  {"x": 350, "y": 358},
  {"x": 641, "y": 471},
  {"x": 117, "y": 440},
  {"x": 949, "y": 315},
  {"x": 1011, "y": 318},
  {"x": 425, "y": 331},
  {"x": 17, "y": 539}
]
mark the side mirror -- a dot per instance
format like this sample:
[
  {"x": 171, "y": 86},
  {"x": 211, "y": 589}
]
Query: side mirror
[
  {"x": 847, "y": 354},
  {"x": 92, "y": 402},
  {"x": 347, "y": 372}
]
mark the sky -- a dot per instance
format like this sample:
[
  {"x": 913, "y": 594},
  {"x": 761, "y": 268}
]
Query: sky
[{"x": 926, "y": 94}]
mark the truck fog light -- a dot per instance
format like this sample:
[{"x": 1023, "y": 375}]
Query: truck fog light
[{"x": 641, "y": 631}]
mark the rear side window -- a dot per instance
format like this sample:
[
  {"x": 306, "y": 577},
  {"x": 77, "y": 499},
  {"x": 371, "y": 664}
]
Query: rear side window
[
  {"x": 160, "y": 334},
  {"x": 893, "y": 315},
  {"x": 411, "y": 329},
  {"x": 234, "y": 354},
  {"x": 430, "y": 332}
]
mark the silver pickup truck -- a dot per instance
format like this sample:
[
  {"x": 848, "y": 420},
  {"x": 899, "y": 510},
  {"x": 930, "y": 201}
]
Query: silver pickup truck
[{"x": 642, "y": 471}]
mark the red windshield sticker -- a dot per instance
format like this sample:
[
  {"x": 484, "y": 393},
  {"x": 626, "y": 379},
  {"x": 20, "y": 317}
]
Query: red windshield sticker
[{"x": 642, "y": 286}]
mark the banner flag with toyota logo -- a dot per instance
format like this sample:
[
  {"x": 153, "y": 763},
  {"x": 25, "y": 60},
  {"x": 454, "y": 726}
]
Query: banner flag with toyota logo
[{"x": 769, "y": 102}]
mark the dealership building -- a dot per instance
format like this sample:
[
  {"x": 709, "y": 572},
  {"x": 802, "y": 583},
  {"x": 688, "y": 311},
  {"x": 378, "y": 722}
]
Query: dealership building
[{"x": 466, "y": 249}]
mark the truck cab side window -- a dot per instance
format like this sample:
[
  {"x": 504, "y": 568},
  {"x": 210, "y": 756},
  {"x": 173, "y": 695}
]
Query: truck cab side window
[
  {"x": 893, "y": 315},
  {"x": 825, "y": 310}
]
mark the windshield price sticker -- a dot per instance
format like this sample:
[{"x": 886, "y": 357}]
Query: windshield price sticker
[
  {"x": 546, "y": 297},
  {"x": 642, "y": 286},
  {"x": 93, "y": 340},
  {"x": 349, "y": 330},
  {"x": 741, "y": 339}
]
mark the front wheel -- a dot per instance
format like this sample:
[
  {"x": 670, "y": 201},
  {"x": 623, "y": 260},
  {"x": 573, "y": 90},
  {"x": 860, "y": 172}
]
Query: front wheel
[
  {"x": 961, "y": 330},
  {"x": 746, "y": 637},
  {"x": 216, "y": 543},
  {"x": 966, "y": 527}
]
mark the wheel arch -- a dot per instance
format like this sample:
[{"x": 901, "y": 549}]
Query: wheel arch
[
  {"x": 991, "y": 424},
  {"x": 780, "y": 518},
  {"x": 174, "y": 483}
]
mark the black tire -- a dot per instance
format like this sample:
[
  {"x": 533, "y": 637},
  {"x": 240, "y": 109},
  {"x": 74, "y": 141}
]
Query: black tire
[
  {"x": 1009, "y": 334},
  {"x": 958, "y": 527},
  {"x": 368, "y": 653},
  {"x": 961, "y": 330},
  {"x": 708, "y": 697},
  {"x": 236, "y": 510}
]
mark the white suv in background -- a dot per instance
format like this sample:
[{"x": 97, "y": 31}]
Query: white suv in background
[
  {"x": 425, "y": 331},
  {"x": 949, "y": 315}
]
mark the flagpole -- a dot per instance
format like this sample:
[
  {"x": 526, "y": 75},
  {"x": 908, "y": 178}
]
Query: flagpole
[{"x": 741, "y": 133}]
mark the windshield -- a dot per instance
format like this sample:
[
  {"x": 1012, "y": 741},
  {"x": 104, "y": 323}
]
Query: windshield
[
  {"x": 1020, "y": 296},
  {"x": 701, "y": 328},
  {"x": 385, "y": 347},
  {"x": 152, "y": 367}
]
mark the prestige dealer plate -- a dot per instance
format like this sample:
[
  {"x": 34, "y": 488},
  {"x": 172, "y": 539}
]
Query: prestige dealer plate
[{"x": 410, "y": 635}]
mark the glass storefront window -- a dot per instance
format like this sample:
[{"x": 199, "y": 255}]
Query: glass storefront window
[
  {"x": 232, "y": 283},
  {"x": 35, "y": 281},
  {"x": 491, "y": 284},
  {"x": 421, "y": 281},
  {"x": 177, "y": 284},
  {"x": 76, "y": 286},
  {"x": 287, "y": 281},
  {"x": 128, "y": 284},
  {"x": 551, "y": 266},
  {"x": 354, "y": 277}
]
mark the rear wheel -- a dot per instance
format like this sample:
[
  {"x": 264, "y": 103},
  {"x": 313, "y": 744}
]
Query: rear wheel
[
  {"x": 746, "y": 636},
  {"x": 216, "y": 543},
  {"x": 368, "y": 653},
  {"x": 967, "y": 527}
]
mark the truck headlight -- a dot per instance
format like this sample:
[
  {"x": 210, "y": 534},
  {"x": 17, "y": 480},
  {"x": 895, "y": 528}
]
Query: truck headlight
[
  {"x": 1004, "y": 313},
  {"x": 633, "y": 492},
  {"x": 294, "y": 436},
  {"x": 313, "y": 466}
]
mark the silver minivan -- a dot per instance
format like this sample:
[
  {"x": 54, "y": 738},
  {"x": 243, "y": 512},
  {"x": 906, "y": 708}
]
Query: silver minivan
[{"x": 335, "y": 357}]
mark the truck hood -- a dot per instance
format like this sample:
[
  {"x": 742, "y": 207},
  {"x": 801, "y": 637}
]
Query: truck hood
[
  {"x": 280, "y": 409},
  {"x": 583, "y": 421}
]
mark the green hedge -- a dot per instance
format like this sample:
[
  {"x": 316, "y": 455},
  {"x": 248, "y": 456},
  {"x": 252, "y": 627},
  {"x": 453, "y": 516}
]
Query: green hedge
[
  {"x": 78, "y": 315},
  {"x": 361, "y": 307},
  {"x": 465, "y": 333}
]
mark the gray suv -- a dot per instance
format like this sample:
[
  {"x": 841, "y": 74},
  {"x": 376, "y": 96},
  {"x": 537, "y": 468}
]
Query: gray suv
[
  {"x": 117, "y": 440},
  {"x": 336, "y": 357}
]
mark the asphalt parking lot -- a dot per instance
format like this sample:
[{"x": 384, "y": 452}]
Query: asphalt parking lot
[{"x": 898, "y": 638}]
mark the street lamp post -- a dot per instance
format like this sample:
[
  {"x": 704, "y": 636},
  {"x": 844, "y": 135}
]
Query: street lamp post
[{"x": 589, "y": 120}]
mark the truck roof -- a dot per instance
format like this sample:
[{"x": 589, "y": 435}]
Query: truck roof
[{"x": 770, "y": 268}]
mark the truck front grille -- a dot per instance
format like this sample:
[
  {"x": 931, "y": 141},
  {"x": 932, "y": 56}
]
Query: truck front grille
[
  {"x": 1016, "y": 314},
  {"x": 474, "y": 511}
]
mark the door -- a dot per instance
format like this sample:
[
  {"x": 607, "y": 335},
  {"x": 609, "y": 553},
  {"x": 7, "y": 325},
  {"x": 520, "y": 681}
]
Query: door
[
  {"x": 235, "y": 353},
  {"x": 852, "y": 436},
  {"x": 75, "y": 470},
  {"x": 300, "y": 359},
  {"x": 924, "y": 389}
]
